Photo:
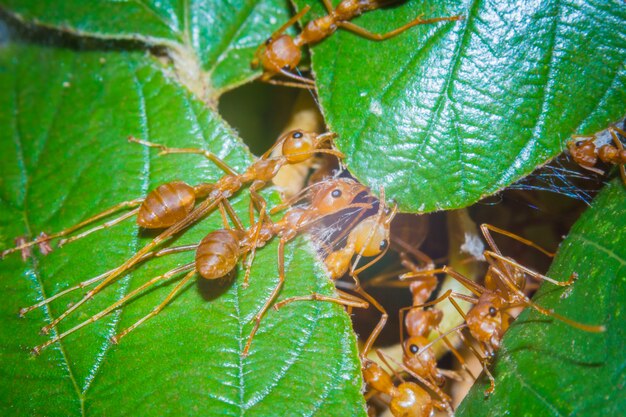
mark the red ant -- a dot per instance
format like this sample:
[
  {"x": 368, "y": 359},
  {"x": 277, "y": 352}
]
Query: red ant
[
  {"x": 505, "y": 280},
  {"x": 297, "y": 146},
  {"x": 418, "y": 353},
  {"x": 369, "y": 238},
  {"x": 219, "y": 252},
  {"x": 585, "y": 152},
  {"x": 407, "y": 399},
  {"x": 281, "y": 54},
  {"x": 173, "y": 202}
]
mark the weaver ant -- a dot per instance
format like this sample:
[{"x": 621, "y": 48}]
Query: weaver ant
[
  {"x": 418, "y": 354},
  {"x": 407, "y": 399},
  {"x": 297, "y": 146},
  {"x": 585, "y": 152},
  {"x": 370, "y": 238},
  {"x": 281, "y": 54},
  {"x": 173, "y": 202},
  {"x": 505, "y": 279},
  {"x": 219, "y": 252}
]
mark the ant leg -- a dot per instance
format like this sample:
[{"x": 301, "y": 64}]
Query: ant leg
[
  {"x": 116, "y": 339},
  {"x": 303, "y": 85},
  {"x": 106, "y": 225},
  {"x": 115, "y": 305},
  {"x": 381, "y": 37},
  {"x": 226, "y": 210},
  {"x": 272, "y": 297},
  {"x": 255, "y": 199},
  {"x": 475, "y": 288},
  {"x": 65, "y": 232},
  {"x": 386, "y": 359},
  {"x": 620, "y": 146},
  {"x": 490, "y": 256},
  {"x": 328, "y": 5},
  {"x": 344, "y": 299},
  {"x": 292, "y": 21},
  {"x": 381, "y": 322},
  {"x": 202, "y": 209},
  {"x": 382, "y": 280},
  {"x": 155, "y": 254},
  {"x": 484, "y": 361},
  {"x": 548, "y": 312},
  {"x": 383, "y": 313},
  {"x": 165, "y": 150},
  {"x": 459, "y": 357},
  {"x": 485, "y": 228}
]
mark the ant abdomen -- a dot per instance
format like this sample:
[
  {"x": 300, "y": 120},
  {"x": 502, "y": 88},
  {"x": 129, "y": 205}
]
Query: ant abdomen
[
  {"x": 166, "y": 205},
  {"x": 218, "y": 253}
]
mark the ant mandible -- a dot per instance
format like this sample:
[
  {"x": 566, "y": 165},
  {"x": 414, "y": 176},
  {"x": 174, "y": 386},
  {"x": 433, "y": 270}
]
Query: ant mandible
[{"x": 281, "y": 54}]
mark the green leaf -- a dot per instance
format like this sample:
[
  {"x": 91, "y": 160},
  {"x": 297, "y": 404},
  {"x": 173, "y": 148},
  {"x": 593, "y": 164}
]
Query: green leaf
[
  {"x": 64, "y": 156},
  {"x": 546, "y": 367},
  {"x": 462, "y": 109},
  {"x": 211, "y": 42}
]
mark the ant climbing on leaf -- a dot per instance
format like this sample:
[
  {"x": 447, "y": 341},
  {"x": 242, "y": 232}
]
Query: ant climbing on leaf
[
  {"x": 281, "y": 53},
  {"x": 219, "y": 252},
  {"x": 296, "y": 145},
  {"x": 174, "y": 202}
]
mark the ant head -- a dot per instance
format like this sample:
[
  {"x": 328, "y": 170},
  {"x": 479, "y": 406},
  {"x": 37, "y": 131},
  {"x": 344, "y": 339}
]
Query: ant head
[
  {"x": 414, "y": 344},
  {"x": 371, "y": 236},
  {"x": 583, "y": 152},
  {"x": 277, "y": 54},
  {"x": 299, "y": 145},
  {"x": 411, "y": 400},
  {"x": 485, "y": 320},
  {"x": 336, "y": 194}
]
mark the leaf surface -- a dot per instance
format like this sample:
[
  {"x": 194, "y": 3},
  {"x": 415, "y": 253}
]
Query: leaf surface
[
  {"x": 462, "y": 109},
  {"x": 548, "y": 368},
  {"x": 217, "y": 38},
  {"x": 64, "y": 156}
]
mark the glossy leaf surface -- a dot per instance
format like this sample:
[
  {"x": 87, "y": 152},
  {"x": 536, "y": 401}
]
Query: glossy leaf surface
[
  {"x": 64, "y": 156},
  {"x": 462, "y": 109},
  {"x": 548, "y": 368},
  {"x": 219, "y": 36}
]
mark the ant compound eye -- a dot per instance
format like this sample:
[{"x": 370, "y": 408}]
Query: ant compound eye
[
  {"x": 383, "y": 244},
  {"x": 336, "y": 193},
  {"x": 414, "y": 349},
  {"x": 493, "y": 311},
  {"x": 579, "y": 143},
  {"x": 268, "y": 41},
  {"x": 297, "y": 135}
]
